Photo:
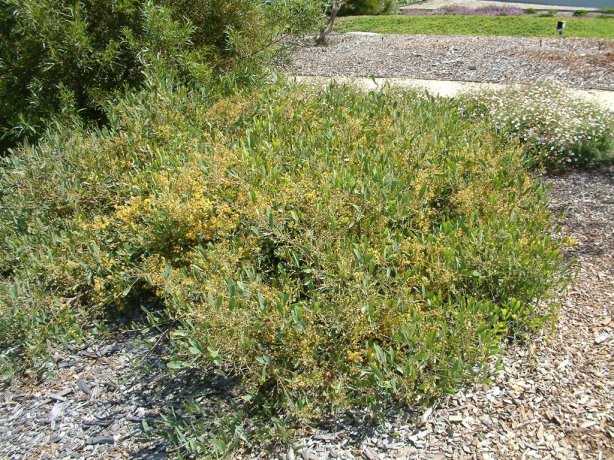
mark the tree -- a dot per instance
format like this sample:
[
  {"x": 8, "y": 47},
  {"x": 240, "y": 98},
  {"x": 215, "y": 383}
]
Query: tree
[{"x": 335, "y": 7}]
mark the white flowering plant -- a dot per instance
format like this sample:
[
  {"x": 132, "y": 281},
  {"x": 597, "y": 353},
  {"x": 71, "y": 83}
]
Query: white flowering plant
[{"x": 558, "y": 130}]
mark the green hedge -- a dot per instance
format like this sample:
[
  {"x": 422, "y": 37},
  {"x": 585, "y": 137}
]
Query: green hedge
[
  {"x": 59, "y": 56},
  {"x": 369, "y": 7}
]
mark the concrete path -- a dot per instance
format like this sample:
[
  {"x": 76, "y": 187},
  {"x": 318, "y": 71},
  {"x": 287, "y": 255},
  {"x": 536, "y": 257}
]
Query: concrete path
[
  {"x": 451, "y": 88},
  {"x": 436, "y": 4}
]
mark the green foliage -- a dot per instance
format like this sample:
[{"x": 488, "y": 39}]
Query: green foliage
[
  {"x": 67, "y": 55},
  {"x": 521, "y": 26},
  {"x": 557, "y": 129},
  {"x": 52, "y": 54},
  {"x": 369, "y": 7},
  {"x": 330, "y": 249},
  {"x": 547, "y": 13}
]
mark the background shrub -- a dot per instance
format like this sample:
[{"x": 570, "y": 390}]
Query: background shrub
[
  {"x": 558, "y": 130},
  {"x": 332, "y": 249},
  {"x": 73, "y": 56},
  {"x": 369, "y": 7}
]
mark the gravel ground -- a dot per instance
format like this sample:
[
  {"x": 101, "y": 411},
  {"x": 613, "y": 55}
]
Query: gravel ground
[
  {"x": 576, "y": 62},
  {"x": 553, "y": 399}
]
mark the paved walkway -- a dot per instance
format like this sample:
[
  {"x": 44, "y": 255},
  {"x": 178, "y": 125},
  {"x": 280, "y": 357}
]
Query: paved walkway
[
  {"x": 451, "y": 88},
  {"x": 436, "y": 4}
]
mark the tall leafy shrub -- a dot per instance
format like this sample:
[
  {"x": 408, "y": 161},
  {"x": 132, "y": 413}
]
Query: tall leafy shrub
[
  {"x": 59, "y": 54},
  {"x": 369, "y": 7},
  {"x": 54, "y": 53}
]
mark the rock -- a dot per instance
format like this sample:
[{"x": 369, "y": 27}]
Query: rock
[
  {"x": 56, "y": 411},
  {"x": 326, "y": 436}
]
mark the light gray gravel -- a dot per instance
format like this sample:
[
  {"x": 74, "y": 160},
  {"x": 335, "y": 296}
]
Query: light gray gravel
[{"x": 575, "y": 62}]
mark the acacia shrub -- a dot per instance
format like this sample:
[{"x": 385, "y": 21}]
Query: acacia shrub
[
  {"x": 49, "y": 49},
  {"x": 329, "y": 248}
]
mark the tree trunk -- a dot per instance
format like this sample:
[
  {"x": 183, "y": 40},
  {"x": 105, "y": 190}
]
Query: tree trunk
[{"x": 328, "y": 27}]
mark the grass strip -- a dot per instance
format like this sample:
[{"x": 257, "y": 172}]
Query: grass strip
[{"x": 520, "y": 26}]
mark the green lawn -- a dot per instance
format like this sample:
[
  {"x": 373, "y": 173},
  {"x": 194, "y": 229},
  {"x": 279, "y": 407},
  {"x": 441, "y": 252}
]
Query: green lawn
[{"x": 525, "y": 26}]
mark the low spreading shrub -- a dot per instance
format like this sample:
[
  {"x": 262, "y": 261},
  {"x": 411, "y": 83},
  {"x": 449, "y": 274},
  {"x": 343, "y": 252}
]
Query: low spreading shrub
[
  {"x": 557, "y": 129},
  {"x": 330, "y": 249}
]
